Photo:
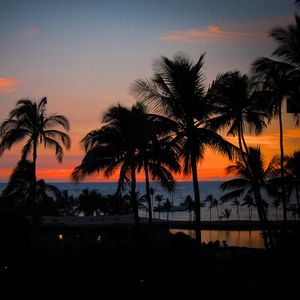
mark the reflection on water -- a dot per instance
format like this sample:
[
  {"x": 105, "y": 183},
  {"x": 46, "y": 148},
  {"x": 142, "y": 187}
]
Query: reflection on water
[{"x": 250, "y": 239}]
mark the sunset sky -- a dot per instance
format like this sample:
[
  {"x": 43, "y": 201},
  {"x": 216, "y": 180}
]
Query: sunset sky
[{"x": 83, "y": 55}]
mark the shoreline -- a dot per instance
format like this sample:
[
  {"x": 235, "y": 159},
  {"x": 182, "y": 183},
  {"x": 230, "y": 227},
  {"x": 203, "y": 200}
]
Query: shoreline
[{"x": 232, "y": 225}]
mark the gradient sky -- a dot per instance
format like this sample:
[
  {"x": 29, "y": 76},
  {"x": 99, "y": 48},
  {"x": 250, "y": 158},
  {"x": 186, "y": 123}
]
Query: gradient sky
[{"x": 84, "y": 55}]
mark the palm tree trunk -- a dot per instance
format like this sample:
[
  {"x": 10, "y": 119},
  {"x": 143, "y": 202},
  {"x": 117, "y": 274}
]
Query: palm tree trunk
[
  {"x": 33, "y": 198},
  {"x": 133, "y": 195},
  {"x": 268, "y": 241},
  {"x": 297, "y": 196},
  {"x": 241, "y": 145},
  {"x": 244, "y": 142},
  {"x": 118, "y": 196},
  {"x": 197, "y": 198},
  {"x": 148, "y": 196},
  {"x": 282, "y": 164}
]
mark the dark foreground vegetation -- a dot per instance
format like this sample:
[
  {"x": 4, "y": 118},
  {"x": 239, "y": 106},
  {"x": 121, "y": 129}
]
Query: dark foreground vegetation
[{"x": 147, "y": 268}]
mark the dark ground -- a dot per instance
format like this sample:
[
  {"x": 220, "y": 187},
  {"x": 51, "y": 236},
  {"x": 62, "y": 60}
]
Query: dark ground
[{"x": 145, "y": 269}]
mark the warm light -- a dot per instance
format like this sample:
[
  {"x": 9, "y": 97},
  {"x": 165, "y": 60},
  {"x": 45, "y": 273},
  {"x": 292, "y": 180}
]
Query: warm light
[
  {"x": 60, "y": 237},
  {"x": 99, "y": 238}
]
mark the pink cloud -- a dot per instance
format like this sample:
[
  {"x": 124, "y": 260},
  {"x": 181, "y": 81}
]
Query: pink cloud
[
  {"x": 227, "y": 32},
  {"x": 29, "y": 32},
  {"x": 8, "y": 85}
]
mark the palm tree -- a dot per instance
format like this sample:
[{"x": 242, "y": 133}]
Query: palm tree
[
  {"x": 252, "y": 178},
  {"x": 177, "y": 91},
  {"x": 28, "y": 121},
  {"x": 129, "y": 141},
  {"x": 292, "y": 169},
  {"x": 249, "y": 201},
  {"x": 190, "y": 205},
  {"x": 22, "y": 188},
  {"x": 167, "y": 206},
  {"x": 159, "y": 198},
  {"x": 213, "y": 202},
  {"x": 276, "y": 80},
  {"x": 152, "y": 192},
  {"x": 66, "y": 204},
  {"x": 226, "y": 214},
  {"x": 89, "y": 203},
  {"x": 236, "y": 202},
  {"x": 280, "y": 78},
  {"x": 288, "y": 40},
  {"x": 18, "y": 192},
  {"x": 156, "y": 154},
  {"x": 235, "y": 103}
]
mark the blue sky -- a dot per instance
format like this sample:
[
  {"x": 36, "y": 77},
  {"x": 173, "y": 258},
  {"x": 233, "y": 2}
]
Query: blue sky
[{"x": 83, "y": 55}]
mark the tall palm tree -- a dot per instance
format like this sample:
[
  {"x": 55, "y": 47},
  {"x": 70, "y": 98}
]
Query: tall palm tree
[
  {"x": 249, "y": 201},
  {"x": 292, "y": 169},
  {"x": 252, "y": 178},
  {"x": 236, "y": 106},
  {"x": 213, "y": 202},
  {"x": 276, "y": 80},
  {"x": 236, "y": 202},
  {"x": 281, "y": 79},
  {"x": 157, "y": 154},
  {"x": 177, "y": 91},
  {"x": 129, "y": 141},
  {"x": 288, "y": 41},
  {"x": 190, "y": 205},
  {"x": 29, "y": 121}
]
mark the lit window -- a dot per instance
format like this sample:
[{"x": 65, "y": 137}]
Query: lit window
[{"x": 60, "y": 237}]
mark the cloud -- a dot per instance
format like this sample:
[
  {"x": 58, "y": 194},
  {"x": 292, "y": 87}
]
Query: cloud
[
  {"x": 8, "y": 85},
  {"x": 29, "y": 32},
  {"x": 227, "y": 32}
]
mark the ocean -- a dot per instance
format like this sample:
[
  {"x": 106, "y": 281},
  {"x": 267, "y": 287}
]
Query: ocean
[{"x": 182, "y": 190}]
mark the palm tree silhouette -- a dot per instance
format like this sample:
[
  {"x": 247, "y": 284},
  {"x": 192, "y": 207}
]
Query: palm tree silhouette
[
  {"x": 280, "y": 80},
  {"x": 128, "y": 141},
  {"x": 292, "y": 169},
  {"x": 252, "y": 177},
  {"x": 276, "y": 80},
  {"x": 249, "y": 201},
  {"x": 159, "y": 198},
  {"x": 190, "y": 205},
  {"x": 29, "y": 121},
  {"x": 156, "y": 154},
  {"x": 213, "y": 202},
  {"x": 288, "y": 42},
  {"x": 26, "y": 196},
  {"x": 177, "y": 91},
  {"x": 18, "y": 192},
  {"x": 236, "y": 202},
  {"x": 89, "y": 203},
  {"x": 226, "y": 214},
  {"x": 236, "y": 106}
]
